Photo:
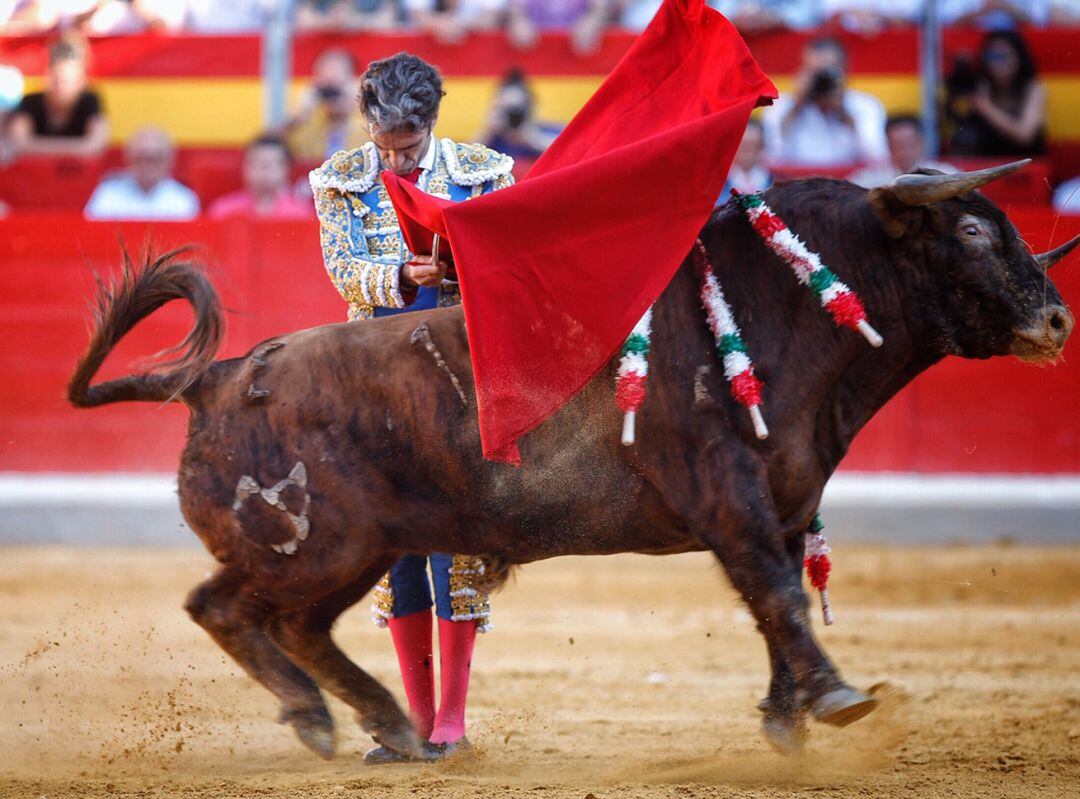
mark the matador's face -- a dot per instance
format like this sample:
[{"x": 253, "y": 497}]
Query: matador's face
[{"x": 401, "y": 151}]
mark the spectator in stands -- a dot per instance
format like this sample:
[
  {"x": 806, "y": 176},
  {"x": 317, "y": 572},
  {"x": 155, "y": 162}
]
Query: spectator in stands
[
  {"x": 870, "y": 17},
  {"x": 450, "y": 21},
  {"x": 1001, "y": 109},
  {"x": 748, "y": 173},
  {"x": 324, "y": 122},
  {"x": 1067, "y": 197},
  {"x": 994, "y": 14},
  {"x": 1065, "y": 12},
  {"x": 11, "y": 94},
  {"x": 371, "y": 15},
  {"x": 266, "y": 193},
  {"x": 907, "y": 152},
  {"x": 821, "y": 122},
  {"x": 760, "y": 16},
  {"x": 66, "y": 118},
  {"x": 234, "y": 16},
  {"x": 511, "y": 126},
  {"x": 583, "y": 19},
  {"x": 146, "y": 190}
]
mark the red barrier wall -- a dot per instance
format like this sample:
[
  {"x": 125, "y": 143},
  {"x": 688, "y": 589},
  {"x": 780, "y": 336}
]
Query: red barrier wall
[
  {"x": 164, "y": 55},
  {"x": 962, "y": 416}
]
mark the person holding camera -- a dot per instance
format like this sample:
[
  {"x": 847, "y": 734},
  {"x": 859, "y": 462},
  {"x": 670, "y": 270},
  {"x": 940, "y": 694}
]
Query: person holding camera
[
  {"x": 823, "y": 123},
  {"x": 324, "y": 122},
  {"x": 511, "y": 126},
  {"x": 997, "y": 109}
]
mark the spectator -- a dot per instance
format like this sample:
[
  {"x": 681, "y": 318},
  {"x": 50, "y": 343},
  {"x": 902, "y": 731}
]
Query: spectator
[
  {"x": 1001, "y": 109},
  {"x": 748, "y": 173},
  {"x": 871, "y": 17},
  {"x": 235, "y": 16},
  {"x": 823, "y": 123},
  {"x": 760, "y": 16},
  {"x": 1067, "y": 197},
  {"x": 1065, "y": 12},
  {"x": 907, "y": 152},
  {"x": 11, "y": 94},
  {"x": 147, "y": 189},
  {"x": 66, "y": 118},
  {"x": 994, "y": 14},
  {"x": 266, "y": 193},
  {"x": 511, "y": 127},
  {"x": 584, "y": 19},
  {"x": 371, "y": 15},
  {"x": 115, "y": 17},
  {"x": 325, "y": 122},
  {"x": 451, "y": 21}
]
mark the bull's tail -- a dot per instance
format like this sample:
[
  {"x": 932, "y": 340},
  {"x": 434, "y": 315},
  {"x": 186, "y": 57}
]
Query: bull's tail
[{"x": 126, "y": 301}]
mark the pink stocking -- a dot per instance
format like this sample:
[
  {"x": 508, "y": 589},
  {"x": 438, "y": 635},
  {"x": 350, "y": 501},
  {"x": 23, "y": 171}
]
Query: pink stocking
[
  {"x": 456, "y": 640},
  {"x": 412, "y": 642}
]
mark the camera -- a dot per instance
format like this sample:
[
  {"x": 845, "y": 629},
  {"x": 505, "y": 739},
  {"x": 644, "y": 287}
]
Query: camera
[
  {"x": 328, "y": 93},
  {"x": 824, "y": 82}
]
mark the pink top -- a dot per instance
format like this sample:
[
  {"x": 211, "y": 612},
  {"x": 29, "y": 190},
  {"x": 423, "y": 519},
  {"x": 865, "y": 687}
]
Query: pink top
[{"x": 242, "y": 203}]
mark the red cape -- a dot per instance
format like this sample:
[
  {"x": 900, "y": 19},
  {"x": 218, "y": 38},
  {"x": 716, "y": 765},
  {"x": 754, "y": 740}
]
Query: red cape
[{"x": 556, "y": 270}]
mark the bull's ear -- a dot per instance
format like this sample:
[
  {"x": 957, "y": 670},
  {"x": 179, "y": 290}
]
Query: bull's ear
[{"x": 895, "y": 215}]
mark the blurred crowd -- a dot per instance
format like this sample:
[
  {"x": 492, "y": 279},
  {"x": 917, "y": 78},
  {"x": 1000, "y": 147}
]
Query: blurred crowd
[
  {"x": 994, "y": 104},
  {"x": 522, "y": 20}
]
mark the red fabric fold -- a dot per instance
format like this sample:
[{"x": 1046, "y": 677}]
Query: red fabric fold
[{"x": 556, "y": 270}]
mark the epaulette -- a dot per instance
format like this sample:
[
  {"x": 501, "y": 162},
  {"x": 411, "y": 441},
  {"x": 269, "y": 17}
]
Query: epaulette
[
  {"x": 473, "y": 164},
  {"x": 348, "y": 170}
]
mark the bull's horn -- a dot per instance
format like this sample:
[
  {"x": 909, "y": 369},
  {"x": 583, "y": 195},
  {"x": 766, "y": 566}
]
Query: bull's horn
[
  {"x": 1048, "y": 259},
  {"x": 926, "y": 189}
]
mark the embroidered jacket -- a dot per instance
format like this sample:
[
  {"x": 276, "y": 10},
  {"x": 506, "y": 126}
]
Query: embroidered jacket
[{"x": 361, "y": 241}]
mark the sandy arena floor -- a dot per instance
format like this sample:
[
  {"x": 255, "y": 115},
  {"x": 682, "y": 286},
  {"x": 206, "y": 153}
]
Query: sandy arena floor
[{"x": 617, "y": 677}]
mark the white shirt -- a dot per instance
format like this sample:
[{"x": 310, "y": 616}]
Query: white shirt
[
  {"x": 234, "y": 16},
  {"x": 428, "y": 161},
  {"x": 1067, "y": 197},
  {"x": 122, "y": 198},
  {"x": 875, "y": 175},
  {"x": 814, "y": 138}
]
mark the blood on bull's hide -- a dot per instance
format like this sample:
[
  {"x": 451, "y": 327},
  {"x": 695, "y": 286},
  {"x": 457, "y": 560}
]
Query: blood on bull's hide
[{"x": 317, "y": 460}]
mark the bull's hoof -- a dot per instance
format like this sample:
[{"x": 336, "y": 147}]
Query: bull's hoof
[
  {"x": 399, "y": 737},
  {"x": 314, "y": 728},
  {"x": 786, "y": 734},
  {"x": 842, "y": 706}
]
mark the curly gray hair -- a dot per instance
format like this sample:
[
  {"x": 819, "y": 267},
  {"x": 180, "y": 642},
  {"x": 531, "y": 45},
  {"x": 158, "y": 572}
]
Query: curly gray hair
[{"x": 400, "y": 93}]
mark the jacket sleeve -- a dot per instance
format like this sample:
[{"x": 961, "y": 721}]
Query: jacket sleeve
[{"x": 364, "y": 281}]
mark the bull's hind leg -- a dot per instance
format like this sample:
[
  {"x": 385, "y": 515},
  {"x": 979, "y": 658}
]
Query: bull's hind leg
[
  {"x": 225, "y": 606},
  {"x": 305, "y": 636}
]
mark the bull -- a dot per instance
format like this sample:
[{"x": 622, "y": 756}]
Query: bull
[{"x": 319, "y": 458}]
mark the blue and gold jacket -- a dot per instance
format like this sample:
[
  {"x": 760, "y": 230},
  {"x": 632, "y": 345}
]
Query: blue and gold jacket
[{"x": 361, "y": 241}]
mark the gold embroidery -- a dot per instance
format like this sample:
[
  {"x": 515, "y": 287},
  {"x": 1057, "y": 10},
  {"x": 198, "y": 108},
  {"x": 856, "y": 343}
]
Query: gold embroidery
[{"x": 466, "y": 601}]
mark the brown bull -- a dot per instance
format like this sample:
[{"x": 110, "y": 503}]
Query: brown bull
[{"x": 319, "y": 458}]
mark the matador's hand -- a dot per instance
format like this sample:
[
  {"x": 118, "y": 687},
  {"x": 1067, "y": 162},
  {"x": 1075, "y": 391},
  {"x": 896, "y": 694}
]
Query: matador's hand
[{"x": 420, "y": 271}]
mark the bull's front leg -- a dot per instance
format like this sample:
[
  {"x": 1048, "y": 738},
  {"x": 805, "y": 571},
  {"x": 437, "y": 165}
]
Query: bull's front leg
[{"x": 746, "y": 536}]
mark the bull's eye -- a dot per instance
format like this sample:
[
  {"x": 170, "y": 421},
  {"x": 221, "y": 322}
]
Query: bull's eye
[{"x": 971, "y": 230}]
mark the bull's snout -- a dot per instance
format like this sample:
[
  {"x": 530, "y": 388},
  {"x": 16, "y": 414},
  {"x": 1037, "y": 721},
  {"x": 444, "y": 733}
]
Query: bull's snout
[{"x": 1043, "y": 339}]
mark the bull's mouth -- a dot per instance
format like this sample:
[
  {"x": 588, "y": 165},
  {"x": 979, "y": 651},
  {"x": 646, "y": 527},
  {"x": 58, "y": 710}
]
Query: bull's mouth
[{"x": 1036, "y": 347}]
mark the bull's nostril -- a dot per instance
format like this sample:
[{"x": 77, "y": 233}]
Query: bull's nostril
[{"x": 1057, "y": 321}]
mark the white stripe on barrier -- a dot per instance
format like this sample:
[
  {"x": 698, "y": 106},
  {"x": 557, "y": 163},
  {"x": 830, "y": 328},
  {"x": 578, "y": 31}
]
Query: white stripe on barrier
[{"x": 847, "y": 489}]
